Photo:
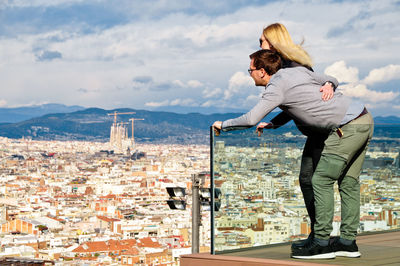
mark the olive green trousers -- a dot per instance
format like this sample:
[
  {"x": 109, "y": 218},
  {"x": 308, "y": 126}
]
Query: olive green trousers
[{"x": 341, "y": 160}]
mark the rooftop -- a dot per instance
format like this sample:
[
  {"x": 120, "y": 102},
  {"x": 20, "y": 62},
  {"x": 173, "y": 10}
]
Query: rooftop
[{"x": 376, "y": 249}]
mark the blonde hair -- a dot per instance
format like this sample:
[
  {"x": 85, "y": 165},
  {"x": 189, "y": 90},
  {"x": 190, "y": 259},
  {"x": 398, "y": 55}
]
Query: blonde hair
[{"x": 278, "y": 36}]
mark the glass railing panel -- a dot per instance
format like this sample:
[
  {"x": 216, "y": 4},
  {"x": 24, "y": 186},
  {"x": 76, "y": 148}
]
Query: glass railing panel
[{"x": 261, "y": 202}]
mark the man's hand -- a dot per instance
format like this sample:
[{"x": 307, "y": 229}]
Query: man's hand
[
  {"x": 217, "y": 127},
  {"x": 327, "y": 91},
  {"x": 263, "y": 125}
]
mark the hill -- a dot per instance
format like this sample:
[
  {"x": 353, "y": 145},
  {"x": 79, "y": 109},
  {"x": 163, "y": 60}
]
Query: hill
[
  {"x": 18, "y": 114},
  {"x": 159, "y": 127},
  {"x": 95, "y": 123}
]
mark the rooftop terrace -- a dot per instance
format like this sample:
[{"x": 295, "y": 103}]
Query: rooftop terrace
[{"x": 376, "y": 248}]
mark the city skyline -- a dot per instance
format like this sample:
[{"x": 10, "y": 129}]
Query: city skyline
[
  {"x": 74, "y": 202},
  {"x": 186, "y": 54}
]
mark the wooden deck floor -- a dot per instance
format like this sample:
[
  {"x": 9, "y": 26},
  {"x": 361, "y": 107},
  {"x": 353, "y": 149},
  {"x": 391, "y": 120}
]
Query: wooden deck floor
[{"x": 376, "y": 249}]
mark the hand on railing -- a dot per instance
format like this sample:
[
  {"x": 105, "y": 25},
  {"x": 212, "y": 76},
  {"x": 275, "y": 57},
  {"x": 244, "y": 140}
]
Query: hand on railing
[
  {"x": 263, "y": 125},
  {"x": 217, "y": 127}
]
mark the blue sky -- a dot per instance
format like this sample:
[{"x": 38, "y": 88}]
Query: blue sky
[{"x": 151, "y": 54}]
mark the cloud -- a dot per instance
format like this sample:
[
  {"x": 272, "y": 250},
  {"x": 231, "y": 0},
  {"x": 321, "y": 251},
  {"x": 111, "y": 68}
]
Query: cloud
[
  {"x": 361, "y": 91},
  {"x": 40, "y": 3},
  {"x": 82, "y": 90},
  {"x": 157, "y": 104},
  {"x": 142, "y": 82},
  {"x": 190, "y": 84},
  {"x": 383, "y": 74},
  {"x": 208, "y": 103},
  {"x": 253, "y": 98},
  {"x": 237, "y": 84},
  {"x": 182, "y": 102},
  {"x": 165, "y": 86},
  {"x": 178, "y": 83},
  {"x": 195, "y": 84},
  {"x": 212, "y": 92},
  {"x": 342, "y": 73},
  {"x": 155, "y": 51},
  {"x": 48, "y": 55},
  {"x": 353, "y": 87},
  {"x": 148, "y": 83},
  {"x": 175, "y": 102},
  {"x": 143, "y": 79},
  {"x": 206, "y": 34},
  {"x": 348, "y": 26}
]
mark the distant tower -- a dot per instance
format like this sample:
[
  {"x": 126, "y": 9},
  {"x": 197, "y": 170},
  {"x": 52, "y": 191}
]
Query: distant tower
[
  {"x": 219, "y": 146},
  {"x": 133, "y": 131},
  {"x": 397, "y": 163},
  {"x": 119, "y": 133}
]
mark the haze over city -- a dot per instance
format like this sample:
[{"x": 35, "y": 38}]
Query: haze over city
[{"x": 173, "y": 54}]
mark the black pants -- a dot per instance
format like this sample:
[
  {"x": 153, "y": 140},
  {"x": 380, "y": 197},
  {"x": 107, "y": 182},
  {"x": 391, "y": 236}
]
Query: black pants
[{"x": 309, "y": 160}]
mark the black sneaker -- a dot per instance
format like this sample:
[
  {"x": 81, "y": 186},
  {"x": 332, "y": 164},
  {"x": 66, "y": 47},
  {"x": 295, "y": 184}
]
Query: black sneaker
[
  {"x": 342, "y": 250},
  {"x": 303, "y": 242},
  {"x": 313, "y": 251}
]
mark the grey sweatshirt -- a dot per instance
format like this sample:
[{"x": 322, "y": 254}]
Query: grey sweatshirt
[{"x": 296, "y": 92}]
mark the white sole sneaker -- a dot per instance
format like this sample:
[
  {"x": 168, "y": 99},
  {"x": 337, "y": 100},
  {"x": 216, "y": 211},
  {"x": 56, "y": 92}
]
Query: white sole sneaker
[{"x": 348, "y": 254}]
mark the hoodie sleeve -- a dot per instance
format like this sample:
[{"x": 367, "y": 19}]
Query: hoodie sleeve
[
  {"x": 322, "y": 78},
  {"x": 271, "y": 98}
]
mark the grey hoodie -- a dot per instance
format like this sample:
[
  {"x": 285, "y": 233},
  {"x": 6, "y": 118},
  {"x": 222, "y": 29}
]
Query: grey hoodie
[{"x": 296, "y": 91}]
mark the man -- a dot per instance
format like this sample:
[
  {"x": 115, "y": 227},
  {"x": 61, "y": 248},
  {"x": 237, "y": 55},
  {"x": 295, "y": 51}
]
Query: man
[{"x": 350, "y": 127}]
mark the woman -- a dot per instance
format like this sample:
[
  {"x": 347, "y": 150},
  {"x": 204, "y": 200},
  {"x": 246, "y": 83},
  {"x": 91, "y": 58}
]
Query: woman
[{"x": 276, "y": 37}]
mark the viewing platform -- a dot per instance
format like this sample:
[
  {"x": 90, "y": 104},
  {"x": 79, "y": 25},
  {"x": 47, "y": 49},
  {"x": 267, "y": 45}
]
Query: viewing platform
[{"x": 381, "y": 248}]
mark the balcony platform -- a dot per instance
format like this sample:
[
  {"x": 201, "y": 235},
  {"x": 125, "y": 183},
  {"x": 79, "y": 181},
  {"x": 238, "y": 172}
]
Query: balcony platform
[{"x": 376, "y": 249}]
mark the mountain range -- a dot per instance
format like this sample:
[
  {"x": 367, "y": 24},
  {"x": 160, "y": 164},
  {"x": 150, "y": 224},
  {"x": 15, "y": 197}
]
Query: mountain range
[
  {"x": 18, "y": 114},
  {"x": 162, "y": 127},
  {"x": 95, "y": 123}
]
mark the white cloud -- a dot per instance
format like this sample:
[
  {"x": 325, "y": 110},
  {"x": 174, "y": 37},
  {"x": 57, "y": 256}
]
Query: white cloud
[
  {"x": 212, "y": 92},
  {"x": 182, "y": 102},
  {"x": 238, "y": 84},
  {"x": 342, "y": 73},
  {"x": 195, "y": 84},
  {"x": 361, "y": 91},
  {"x": 383, "y": 74},
  {"x": 175, "y": 102},
  {"x": 188, "y": 47},
  {"x": 40, "y": 3},
  {"x": 179, "y": 83},
  {"x": 208, "y": 103},
  {"x": 253, "y": 98},
  {"x": 353, "y": 87},
  {"x": 210, "y": 33},
  {"x": 157, "y": 104}
]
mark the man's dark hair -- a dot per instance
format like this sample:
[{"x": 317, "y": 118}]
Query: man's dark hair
[{"x": 267, "y": 59}]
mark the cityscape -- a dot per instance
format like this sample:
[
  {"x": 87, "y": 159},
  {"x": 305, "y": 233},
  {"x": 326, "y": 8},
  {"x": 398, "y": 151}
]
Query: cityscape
[
  {"x": 77, "y": 202},
  {"x": 108, "y": 155},
  {"x": 82, "y": 203},
  {"x": 261, "y": 200}
]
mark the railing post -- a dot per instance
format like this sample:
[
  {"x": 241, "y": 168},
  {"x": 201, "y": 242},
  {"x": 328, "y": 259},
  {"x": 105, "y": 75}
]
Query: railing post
[
  {"x": 212, "y": 190},
  {"x": 196, "y": 218}
]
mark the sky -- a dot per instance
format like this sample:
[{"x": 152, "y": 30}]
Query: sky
[{"x": 193, "y": 54}]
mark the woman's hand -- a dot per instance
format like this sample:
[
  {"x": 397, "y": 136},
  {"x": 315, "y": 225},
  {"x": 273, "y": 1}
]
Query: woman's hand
[
  {"x": 327, "y": 91},
  {"x": 263, "y": 125}
]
